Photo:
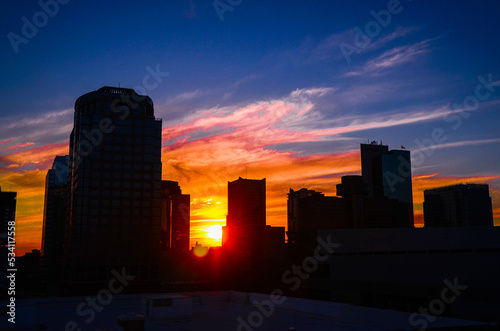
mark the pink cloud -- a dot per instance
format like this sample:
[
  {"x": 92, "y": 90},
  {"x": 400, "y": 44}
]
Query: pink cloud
[
  {"x": 6, "y": 141},
  {"x": 14, "y": 147}
]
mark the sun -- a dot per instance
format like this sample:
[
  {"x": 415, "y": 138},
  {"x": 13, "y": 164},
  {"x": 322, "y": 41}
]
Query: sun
[{"x": 214, "y": 232}]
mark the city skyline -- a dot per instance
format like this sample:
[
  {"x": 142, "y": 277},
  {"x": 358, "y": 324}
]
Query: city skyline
[
  {"x": 204, "y": 231},
  {"x": 236, "y": 100}
]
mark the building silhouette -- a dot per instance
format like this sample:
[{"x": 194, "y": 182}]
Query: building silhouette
[
  {"x": 458, "y": 205},
  {"x": 7, "y": 221},
  {"x": 54, "y": 220},
  {"x": 380, "y": 198},
  {"x": 7, "y": 214},
  {"x": 274, "y": 243},
  {"x": 407, "y": 268},
  {"x": 388, "y": 176},
  {"x": 310, "y": 210},
  {"x": 354, "y": 191},
  {"x": 114, "y": 190},
  {"x": 175, "y": 211},
  {"x": 246, "y": 218}
]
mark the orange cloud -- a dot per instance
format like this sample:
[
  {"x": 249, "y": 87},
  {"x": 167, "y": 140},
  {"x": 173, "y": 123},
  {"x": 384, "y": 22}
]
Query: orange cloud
[
  {"x": 41, "y": 156},
  {"x": 18, "y": 146}
]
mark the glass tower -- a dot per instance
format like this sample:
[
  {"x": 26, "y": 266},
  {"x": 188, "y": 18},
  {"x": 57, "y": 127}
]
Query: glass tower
[{"x": 114, "y": 183}]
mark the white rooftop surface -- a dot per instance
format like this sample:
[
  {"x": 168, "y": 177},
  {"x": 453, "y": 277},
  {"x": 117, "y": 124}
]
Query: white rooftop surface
[{"x": 216, "y": 311}]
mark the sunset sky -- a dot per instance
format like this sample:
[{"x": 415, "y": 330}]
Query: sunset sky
[{"x": 258, "y": 89}]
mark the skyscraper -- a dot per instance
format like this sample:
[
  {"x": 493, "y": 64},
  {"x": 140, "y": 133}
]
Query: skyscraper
[
  {"x": 54, "y": 219},
  {"x": 309, "y": 210},
  {"x": 371, "y": 168},
  {"x": 114, "y": 189},
  {"x": 354, "y": 191},
  {"x": 175, "y": 210},
  {"x": 458, "y": 205},
  {"x": 388, "y": 176},
  {"x": 246, "y": 217}
]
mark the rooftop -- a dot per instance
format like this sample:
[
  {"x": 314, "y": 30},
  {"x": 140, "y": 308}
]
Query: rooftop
[{"x": 221, "y": 310}]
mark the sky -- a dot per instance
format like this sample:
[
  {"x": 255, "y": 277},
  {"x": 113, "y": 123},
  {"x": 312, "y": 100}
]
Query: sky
[{"x": 282, "y": 90}]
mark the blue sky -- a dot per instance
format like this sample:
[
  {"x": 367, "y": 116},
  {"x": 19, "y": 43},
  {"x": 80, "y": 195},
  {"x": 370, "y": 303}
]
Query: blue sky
[
  {"x": 260, "y": 51},
  {"x": 399, "y": 88}
]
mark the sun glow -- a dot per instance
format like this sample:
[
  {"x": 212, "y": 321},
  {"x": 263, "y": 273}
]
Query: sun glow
[{"x": 214, "y": 232}]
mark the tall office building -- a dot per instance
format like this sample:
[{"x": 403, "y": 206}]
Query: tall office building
[
  {"x": 114, "y": 190},
  {"x": 458, "y": 205},
  {"x": 7, "y": 214},
  {"x": 388, "y": 176},
  {"x": 54, "y": 217},
  {"x": 246, "y": 218},
  {"x": 310, "y": 210},
  {"x": 354, "y": 192},
  {"x": 175, "y": 218},
  {"x": 371, "y": 172}
]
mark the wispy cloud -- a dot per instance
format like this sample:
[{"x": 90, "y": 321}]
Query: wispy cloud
[
  {"x": 7, "y": 141},
  {"x": 312, "y": 92},
  {"x": 396, "y": 34},
  {"x": 14, "y": 147},
  {"x": 187, "y": 96},
  {"x": 392, "y": 58},
  {"x": 293, "y": 119},
  {"x": 45, "y": 128},
  {"x": 329, "y": 47},
  {"x": 459, "y": 144},
  {"x": 41, "y": 157}
]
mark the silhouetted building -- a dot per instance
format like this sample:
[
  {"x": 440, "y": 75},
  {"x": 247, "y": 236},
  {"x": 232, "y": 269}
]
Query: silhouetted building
[
  {"x": 388, "y": 176},
  {"x": 274, "y": 243},
  {"x": 371, "y": 167},
  {"x": 54, "y": 217},
  {"x": 310, "y": 210},
  {"x": 369, "y": 212},
  {"x": 175, "y": 217},
  {"x": 246, "y": 218},
  {"x": 114, "y": 190},
  {"x": 29, "y": 279},
  {"x": 7, "y": 214},
  {"x": 354, "y": 192},
  {"x": 458, "y": 205},
  {"x": 408, "y": 268},
  {"x": 7, "y": 222}
]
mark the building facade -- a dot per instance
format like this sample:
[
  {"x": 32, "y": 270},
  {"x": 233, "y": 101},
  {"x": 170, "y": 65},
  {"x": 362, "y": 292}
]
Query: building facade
[
  {"x": 175, "y": 218},
  {"x": 246, "y": 217},
  {"x": 309, "y": 210},
  {"x": 54, "y": 220},
  {"x": 114, "y": 185},
  {"x": 458, "y": 205},
  {"x": 388, "y": 176}
]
